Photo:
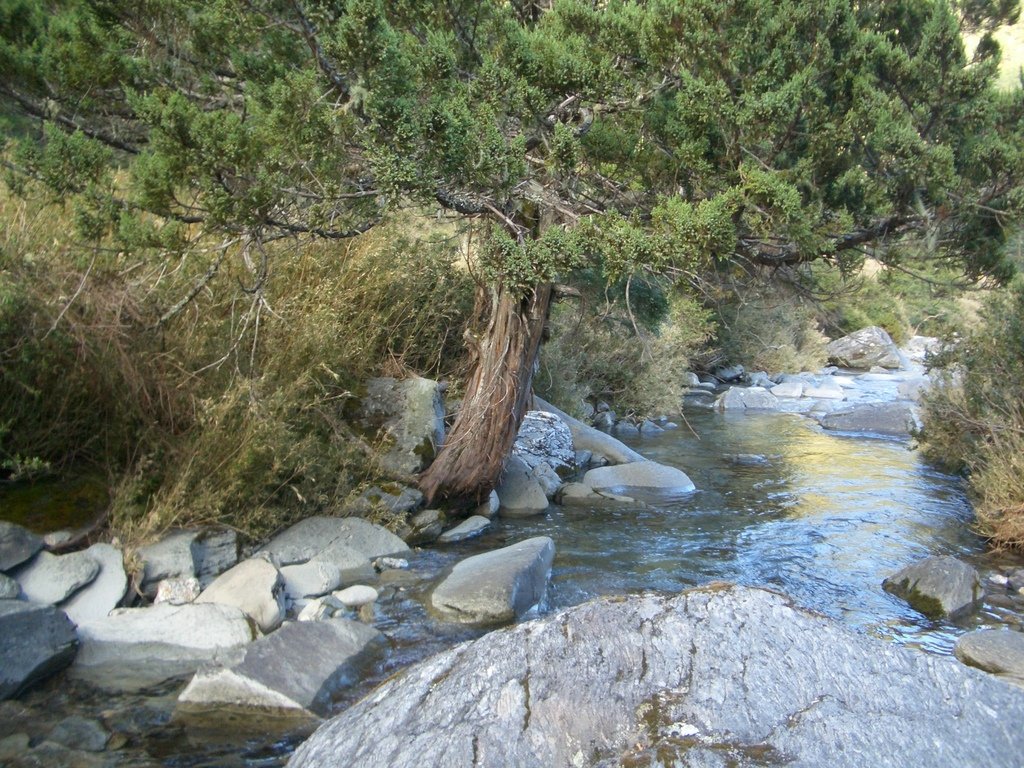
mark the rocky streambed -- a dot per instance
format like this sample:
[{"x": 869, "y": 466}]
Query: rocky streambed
[{"x": 804, "y": 484}]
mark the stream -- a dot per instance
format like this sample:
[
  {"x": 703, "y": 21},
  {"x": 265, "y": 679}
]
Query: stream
[{"x": 820, "y": 516}]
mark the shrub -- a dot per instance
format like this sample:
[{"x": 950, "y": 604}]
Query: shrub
[{"x": 771, "y": 332}]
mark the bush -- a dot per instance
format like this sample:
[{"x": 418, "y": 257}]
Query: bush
[
  {"x": 771, "y": 332},
  {"x": 974, "y": 420}
]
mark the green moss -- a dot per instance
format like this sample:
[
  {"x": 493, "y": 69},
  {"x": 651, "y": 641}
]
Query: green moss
[{"x": 54, "y": 504}]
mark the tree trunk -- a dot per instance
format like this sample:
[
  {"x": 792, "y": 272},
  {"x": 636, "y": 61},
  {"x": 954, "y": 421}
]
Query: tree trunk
[{"x": 470, "y": 463}]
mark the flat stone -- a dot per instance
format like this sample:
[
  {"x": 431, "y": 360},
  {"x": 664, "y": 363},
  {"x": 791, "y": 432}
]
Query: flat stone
[
  {"x": 317, "y": 536},
  {"x": 467, "y": 529},
  {"x": 55, "y": 539},
  {"x": 35, "y": 641},
  {"x": 643, "y": 477},
  {"x": 80, "y": 732},
  {"x": 50, "y": 578},
  {"x": 496, "y": 587},
  {"x": 298, "y": 668},
  {"x": 717, "y": 676},
  {"x": 747, "y": 398},
  {"x": 177, "y": 591},
  {"x": 312, "y": 579},
  {"x": 353, "y": 565},
  {"x": 993, "y": 650},
  {"x": 137, "y": 648},
  {"x": 825, "y": 392},
  {"x": 356, "y": 596},
  {"x": 321, "y": 609},
  {"x": 256, "y": 587},
  {"x": 794, "y": 388},
  {"x": 104, "y": 593},
  {"x": 895, "y": 419},
  {"x": 17, "y": 545},
  {"x": 519, "y": 492},
  {"x": 937, "y": 586}
]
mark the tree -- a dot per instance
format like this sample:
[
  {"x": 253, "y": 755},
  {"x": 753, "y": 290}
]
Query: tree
[{"x": 665, "y": 135}]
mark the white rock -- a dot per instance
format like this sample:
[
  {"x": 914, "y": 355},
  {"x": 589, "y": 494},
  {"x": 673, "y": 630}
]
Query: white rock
[
  {"x": 177, "y": 591},
  {"x": 357, "y": 596},
  {"x": 490, "y": 507},
  {"x": 256, "y": 587},
  {"x": 640, "y": 475},
  {"x": 825, "y": 392},
  {"x": 322, "y": 608}
]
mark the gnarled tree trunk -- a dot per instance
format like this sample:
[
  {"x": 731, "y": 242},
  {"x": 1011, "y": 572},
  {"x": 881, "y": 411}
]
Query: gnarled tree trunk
[{"x": 470, "y": 463}]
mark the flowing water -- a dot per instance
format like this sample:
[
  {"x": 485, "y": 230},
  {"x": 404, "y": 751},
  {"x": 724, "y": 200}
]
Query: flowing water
[{"x": 819, "y": 516}]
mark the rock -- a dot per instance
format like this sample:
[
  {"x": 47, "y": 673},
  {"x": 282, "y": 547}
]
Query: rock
[
  {"x": 864, "y": 349},
  {"x": 897, "y": 419},
  {"x": 748, "y": 460},
  {"x": 788, "y": 389},
  {"x": 759, "y": 379},
  {"x": 729, "y": 373},
  {"x": 17, "y": 545},
  {"x": 912, "y": 389},
  {"x": 747, "y": 398},
  {"x": 590, "y": 439},
  {"x": 402, "y": 501},
  {"x": 829, "y": 391},
  {"x": 169, "y": 558},
  {"x": 213, "y": 552},
  {"x": 390, "y": 564},
  {"x": 490, "y": 507},
  {"x": 993, "y": 650},
  {"x": 691, "y": 379},
  {"x": 322, "y": 536},
  {"x": 104, "y": 593},
  {"x": 321, "y": 609},
  {"x": 312, "y": 579},
  {"x": 518, "y": 491},
  {"x": 13, "y": 747},
  {"x": 496, "y": 587},
  {"x": 467, "y": 529},
  {"x": 137, "y": 648},
  {"x": 604, "y": 420},
  {"x": 35, "y": 641},
  {"x": 648, "y": 427},
  {"x": 177, "y": 591},
  {"x": 583, "y": 458},
  {"x": 353, "y": 564},
  {"x": 50, "y": 578},
  {"x": 744, "y": 676},
  {"x": 408, "y": 417},
  {"x": 9, "y": 588},
  {"x": 601, "y": 407},
  {"x": 937, "y": 586},
  {"x": 56, "y": 539},
  {"x": 1016, "y": 579},
  {"x": 920, "y": 347},
  {"x": 297, "y": 669},
  {"x": 80, "y": 732},
  {"x": 255, "y": 586},
  {"x": 426, "y": 527},
  {"x": 357, "y": 596},
  {"x": 646, "y": 477},
  {"x": 626, "y": 429},
  {"x": 547, "y": 478},
  {"x": 544, "y": 439}
]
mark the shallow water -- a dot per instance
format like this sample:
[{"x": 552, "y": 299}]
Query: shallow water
[{"x": 821, "y": 517}]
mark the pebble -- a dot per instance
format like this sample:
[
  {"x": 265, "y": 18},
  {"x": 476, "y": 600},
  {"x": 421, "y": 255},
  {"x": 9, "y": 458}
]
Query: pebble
[
  {"x": 385, "y": 563},
  {"x": 357, "y": 596}
]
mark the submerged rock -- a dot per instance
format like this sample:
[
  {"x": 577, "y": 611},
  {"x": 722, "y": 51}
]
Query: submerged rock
[
  {"x": 865, "y": 349},
  {"x": 296, "y": 669},
  {"x": 993, "y": 650},
  {"x": 50, "y": 578},
  {"x": 937, "y": 586},
  {"x": 496, "y": 587},
  {"x": 136, "y": 648},
  {"x": 256, "y": 587},
  {"x": 17, "y": 545},
  {"x": 35, "y": 641},
  {"x": 683, "y": 680}
]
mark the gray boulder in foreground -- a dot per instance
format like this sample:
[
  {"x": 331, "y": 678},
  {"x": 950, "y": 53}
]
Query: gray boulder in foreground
[
  {"x": 296, "y": 669},
  {"x": 35, "y": 641},
  {"x": 136, "y": 648},
  {"x": 937, "y": 586},
  {"x": 496, "y": 587},
  {"x": 714, "y": 676},
  {"x": 865, "y": 349},
  {"x": 993, "y": 650}
]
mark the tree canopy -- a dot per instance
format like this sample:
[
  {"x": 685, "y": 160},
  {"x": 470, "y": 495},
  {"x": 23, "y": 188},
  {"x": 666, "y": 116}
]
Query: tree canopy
[{"x": 660, "y": 135}]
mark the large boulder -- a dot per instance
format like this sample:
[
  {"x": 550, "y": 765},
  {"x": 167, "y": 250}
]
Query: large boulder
[
  {"x": 50, "y": 578},
  {"x": 17, "y": 545},
  {"x": 256, "y": 587},
  {"x": 545, "y": 439},
  {"x": 717, "y": 676},
  {"x": 104, "y": 592},
  {"x": 496, "y": 587},
  {"x": 894, "y": 419},
  {"x": 937, "y": 586},
  {"x": 586, "y": 438},
  {"x": 747, "y": 398},
  {"x": 641, "y": 479},
  {"x": 317, "y": 537},
  {"x": 865, "y": 349},
  {"x": 296, "y": 670},
  {"x": 35, "y": 641},
  {"x": 519, "y": 492},
  {"x": 407, "y": 416},
  {"x": 993, "y": 650},
  {"x": 136, "y": 648}
]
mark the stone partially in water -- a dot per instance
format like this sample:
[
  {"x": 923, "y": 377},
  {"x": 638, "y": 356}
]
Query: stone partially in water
[
  {"x": 298, "y": 668},
  {"x": 80, "y": 732},
  {"x": 312, "y": 579},
  {"x": 937, "y": 586},
  {"x": 993, "y": 650},
  {"x": 35, "y": 641},
  {"x": 519, "y": 492},
  {"x": 747, "y": 398},
  {"x": 643, "y": 680},
  {"x": 496, "y": 587},
  {"x": 50, "y": 578},
  {"x": 467, "y": 529},
  {"x": 643, "y": 478},
  {"x": 9, "y": 588},
  {"x": 17, "y": 545},
  {"x": 895, "y": 419}
]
